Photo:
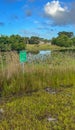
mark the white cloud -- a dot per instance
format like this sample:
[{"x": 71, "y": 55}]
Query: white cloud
[
  {"x": 61, "y": 15},
  {"x": 52, "y": 8}
]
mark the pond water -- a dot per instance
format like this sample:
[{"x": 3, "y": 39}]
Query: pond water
[
  {"x": 40, "y": 56},
  {"x": 48, "y": 55},
  {"x": 44, "y": 52}
]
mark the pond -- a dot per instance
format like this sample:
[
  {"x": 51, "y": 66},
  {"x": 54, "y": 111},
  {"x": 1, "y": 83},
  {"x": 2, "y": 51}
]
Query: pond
[
  {"x": 40, "y": 56},
  {"x": 44, "y": 52},
  {"x": 46, "y": 56}
]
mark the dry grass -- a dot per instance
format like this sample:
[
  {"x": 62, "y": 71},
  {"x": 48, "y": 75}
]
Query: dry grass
[
  {"x": 56, "y": 72},
  {"x": 45, "y": 90}
]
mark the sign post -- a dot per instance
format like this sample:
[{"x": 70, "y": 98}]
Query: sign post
[{"x": 23, "y": 58}]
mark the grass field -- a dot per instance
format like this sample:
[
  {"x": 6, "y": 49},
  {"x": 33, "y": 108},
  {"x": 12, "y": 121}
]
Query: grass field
[
  {"x": 41, "y": 98},
  {"x": 35, "y": 48}
]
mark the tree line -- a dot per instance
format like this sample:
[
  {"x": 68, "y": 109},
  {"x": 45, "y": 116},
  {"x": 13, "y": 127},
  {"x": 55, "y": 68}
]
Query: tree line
[
  {"x": 17, "y": 42},
  {"x": 64, "y": 39}
]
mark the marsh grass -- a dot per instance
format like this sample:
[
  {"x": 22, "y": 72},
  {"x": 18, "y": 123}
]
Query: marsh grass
[
  {"x": 23, "y": 97},
  {"x": 32, "y": 112},
  {"x": 56, "y": 71},
  {"x": 37, "y": 47}
]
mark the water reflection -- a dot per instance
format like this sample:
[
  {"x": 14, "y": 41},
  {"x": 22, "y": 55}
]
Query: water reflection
[
  {"x": 47, "y": 55},
  {"x": 41, "y": 56},
  {"x": 45, "y": 52}
]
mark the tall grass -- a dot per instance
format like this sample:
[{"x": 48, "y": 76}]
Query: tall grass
[
  {"x": 56, "y": 72},
  {"x": 37, "y": 47}
]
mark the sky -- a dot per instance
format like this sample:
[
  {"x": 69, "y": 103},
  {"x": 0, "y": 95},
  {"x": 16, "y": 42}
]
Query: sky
[{"x": 43, "y": 18}]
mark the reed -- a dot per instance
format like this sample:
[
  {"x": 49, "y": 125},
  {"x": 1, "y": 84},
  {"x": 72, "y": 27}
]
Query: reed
[
  {"x": 54, "y": 73},
  {"x": 41, "y": 98}
]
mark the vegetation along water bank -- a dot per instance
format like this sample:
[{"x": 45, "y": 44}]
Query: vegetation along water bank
[{"x": 40, "y": 98}]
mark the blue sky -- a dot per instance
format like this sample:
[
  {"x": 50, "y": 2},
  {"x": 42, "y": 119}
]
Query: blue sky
[{"x": 43, "y": 18}]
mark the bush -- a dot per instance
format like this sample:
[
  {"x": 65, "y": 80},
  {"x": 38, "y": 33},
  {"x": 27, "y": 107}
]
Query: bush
[{"x": 62, "y": 40}]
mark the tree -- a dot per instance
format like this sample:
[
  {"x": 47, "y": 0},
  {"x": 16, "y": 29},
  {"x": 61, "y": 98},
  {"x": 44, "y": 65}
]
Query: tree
[
  {"x": 69, "y": 34},
  {"x": 26, "y": 40},
  {"x": 16, "y": 38},
  {"x": 62, "y": 40},
  {"x": 54, "y": 41},
  {"x": 4, "y": 39},
  {"x": 34, "y": 40},
  {"x": 18, "y": 46},
  {"x": 73, "y": 39},
  {"x": 17, "y": 42},
  {"x": 14, "y": 42}
]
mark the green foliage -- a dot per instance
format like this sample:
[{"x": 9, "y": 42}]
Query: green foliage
[
  {"x": 62, "y": 40},
  {"x": 18, "y": 46},
  {"x": 4, "y": 43},
  {"x": 68, "y": 34},
  {"x": 17, "y": 42},
  {"x": 45, "y": 91},
  {"x": 14, "y": 42},
  {"x": 34, "y": 40},
  {"x": 73, "y": 39},
  {"x": 38, "y": 75}
]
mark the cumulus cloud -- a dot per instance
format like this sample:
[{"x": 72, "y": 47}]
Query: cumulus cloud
[
  {"x": 61, "y": 15},
  {"x": 51, "y": 8}
]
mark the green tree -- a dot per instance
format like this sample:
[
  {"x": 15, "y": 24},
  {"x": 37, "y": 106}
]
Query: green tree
[
  {"x": 69, "y": 34},
  {"x": 62, "y": 40},
  {"x": 14, "y": 42},
  {"x": 17, "y": 42},
  {"x": 73, "y": 39},
  {"x": 34, "y": 40}
]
